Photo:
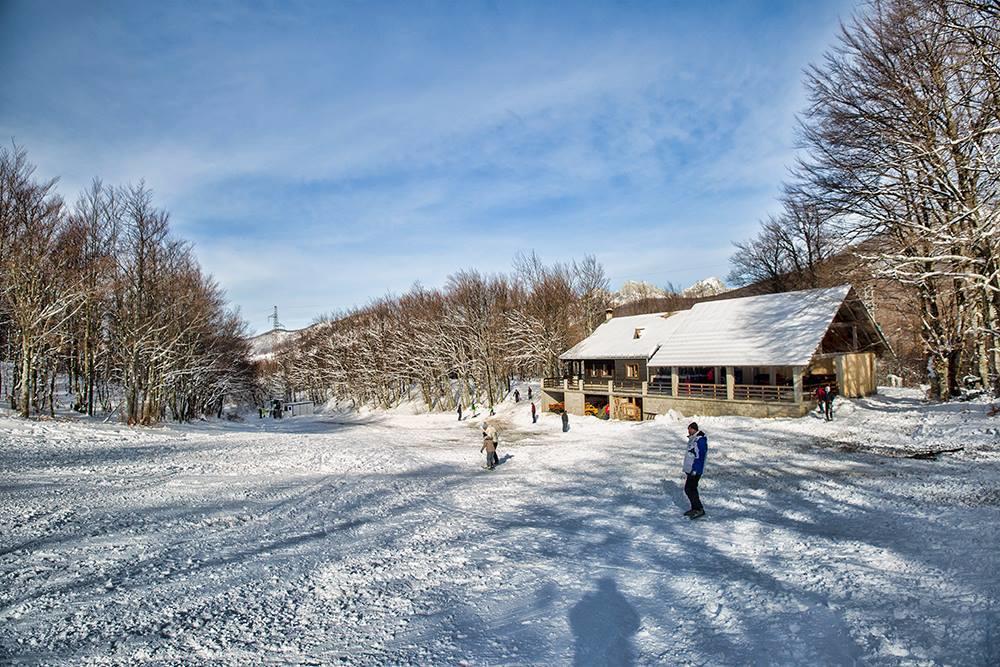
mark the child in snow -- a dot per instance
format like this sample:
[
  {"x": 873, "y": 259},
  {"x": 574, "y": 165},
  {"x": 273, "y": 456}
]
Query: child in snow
[
  {"x": 694, "y": 466},
  {"x": 489, "y": 446}
]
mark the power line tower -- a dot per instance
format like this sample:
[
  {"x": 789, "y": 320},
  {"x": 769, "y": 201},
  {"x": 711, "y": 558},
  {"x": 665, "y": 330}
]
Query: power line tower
[{"x": 274, "y": 317}]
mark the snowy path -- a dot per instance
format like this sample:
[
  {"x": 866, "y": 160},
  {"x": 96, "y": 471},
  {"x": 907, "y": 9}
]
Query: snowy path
[{"x": 382, "y": 541}]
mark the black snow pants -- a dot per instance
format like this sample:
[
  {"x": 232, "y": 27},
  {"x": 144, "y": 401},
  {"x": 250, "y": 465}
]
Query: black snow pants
[{"x": 691, "y": 490}]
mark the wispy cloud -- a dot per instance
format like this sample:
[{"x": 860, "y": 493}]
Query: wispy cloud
[{"x": 322, "y": 154}]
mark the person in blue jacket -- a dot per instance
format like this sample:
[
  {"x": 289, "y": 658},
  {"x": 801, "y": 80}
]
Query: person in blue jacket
[{"x": 694, "y": 467}]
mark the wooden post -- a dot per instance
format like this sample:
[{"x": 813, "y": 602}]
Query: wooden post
[
  {"x": 675, "y": 381},
  {"x": 579, "y": 384},
  {"x": 611, "y": 387},
  {"x": 645, "y": 387},
  {"x": 565, "y": 384},
  {"x": 797, "y": 383},
  {"x": 841, "y": 376},
  {"x": 730, "y": 384},
  {"x": 773, "y": 375}
]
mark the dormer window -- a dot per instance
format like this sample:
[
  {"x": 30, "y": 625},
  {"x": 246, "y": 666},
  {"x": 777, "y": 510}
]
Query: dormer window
[{"x": 639, "y": 332}]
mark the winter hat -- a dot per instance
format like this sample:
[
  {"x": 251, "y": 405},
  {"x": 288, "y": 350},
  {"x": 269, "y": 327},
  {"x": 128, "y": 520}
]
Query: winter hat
[{"x": 693, "y": 426}]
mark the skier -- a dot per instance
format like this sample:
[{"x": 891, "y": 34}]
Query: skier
[
  {"x": 459, "y": 412},
  {"x": 517, "y": 396},
  {"x": 694, "y": 466},
  {"x": 534, "y": 414},
  {"x": 828, "y": 403},
  {"x": 565, "y": 420}
]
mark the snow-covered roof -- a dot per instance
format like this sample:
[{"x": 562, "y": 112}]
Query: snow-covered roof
[
  {"x": 616, "y": 338},
  {"x": 769, "y": 330}
]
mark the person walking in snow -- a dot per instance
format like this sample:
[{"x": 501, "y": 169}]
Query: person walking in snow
[
  {"x": 529, "y": 393},
  {"x": 821, "y": 400},
  {"x": 694, "y": 467},
  {"x": 565, "y": 420},
  {"x": 534, "y": 414},
  {"x": 459, "y": 412},
  {"x": 490, "y": 446},
  {"x": 828, "y": 403},
  {"x": 517, "y": 396}
]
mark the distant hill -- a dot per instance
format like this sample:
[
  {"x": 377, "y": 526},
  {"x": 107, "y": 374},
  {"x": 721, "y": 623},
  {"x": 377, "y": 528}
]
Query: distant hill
[
  {"x": 711, "y": 286},
  {"x": 264, "y": 345},
  {"x": 633, "y": 291}
]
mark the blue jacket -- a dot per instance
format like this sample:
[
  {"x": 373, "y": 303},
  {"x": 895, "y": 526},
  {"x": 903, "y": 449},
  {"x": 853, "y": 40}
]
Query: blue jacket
[{"x": 697, "y": 450}]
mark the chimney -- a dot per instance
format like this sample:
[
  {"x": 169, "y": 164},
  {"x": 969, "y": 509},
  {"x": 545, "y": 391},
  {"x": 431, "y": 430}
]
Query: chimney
[{"x": 608, "y": 314}]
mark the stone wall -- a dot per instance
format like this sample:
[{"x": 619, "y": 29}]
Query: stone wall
[{"x": 698, "y": 406}]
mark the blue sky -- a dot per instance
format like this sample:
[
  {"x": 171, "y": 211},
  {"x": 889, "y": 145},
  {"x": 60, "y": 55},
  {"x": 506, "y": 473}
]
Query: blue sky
[{"x": 322, "y": 154}]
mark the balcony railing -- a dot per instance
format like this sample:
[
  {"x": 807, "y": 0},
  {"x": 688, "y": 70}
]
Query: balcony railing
[
  {"x": 756, "y": 392},
  {"x": 661, "y": 387},
  {"x": 629, "y": 386},
  {"x": 552, "y": 383},
  {"x": 700, "y": 390},
  {"x": 596, "y": 384}
]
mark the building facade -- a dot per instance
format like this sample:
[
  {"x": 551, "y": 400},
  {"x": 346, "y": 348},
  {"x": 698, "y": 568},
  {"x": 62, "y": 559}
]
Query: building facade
[{"x": 761, "y": 356}]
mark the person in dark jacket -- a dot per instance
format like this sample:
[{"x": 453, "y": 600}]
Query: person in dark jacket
[
  {"x": 534, "y": 414},
  {"x": 565, "y": 420},
  {"x": 694, "y": 467},
  {"x": 828, "y": 394},
  {"x": 517, "y": 396},
  {"x": 529, "y": 393},
  {"x": 459, "y": 412}
]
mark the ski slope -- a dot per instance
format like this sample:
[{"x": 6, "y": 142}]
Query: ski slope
[{"x": 379, "y": 539}]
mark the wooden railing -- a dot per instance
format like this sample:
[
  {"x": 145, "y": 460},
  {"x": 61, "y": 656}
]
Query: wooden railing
[
  {"x": 552, "y": 383},
  {"x": 700, "y": 390},
  {"x": 629, "y": 386},
  {"x": 594, "y": 384},
  {"x": 663, "y": 388},
  {"x": 717, "y": 392},
  {"x": 757, "y": 392}
]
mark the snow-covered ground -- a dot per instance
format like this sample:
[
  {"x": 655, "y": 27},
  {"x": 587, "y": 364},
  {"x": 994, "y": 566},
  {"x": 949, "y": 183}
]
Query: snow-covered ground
[{"x": 379, "y": 539}]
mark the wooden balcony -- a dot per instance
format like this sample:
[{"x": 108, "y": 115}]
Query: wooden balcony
[
  {"x": 715, "y": 392},
  {"x": 552, "y": 383},
  {"x": 628, "y": 387},
  {"x": 756, "y": 392}
]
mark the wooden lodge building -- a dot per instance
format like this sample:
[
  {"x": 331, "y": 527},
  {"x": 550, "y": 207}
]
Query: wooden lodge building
[{"x": 760, "y": 356}]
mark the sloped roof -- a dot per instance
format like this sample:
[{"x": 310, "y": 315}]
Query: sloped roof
[
  {"x": 768, "y": 330},
  {"x": 615, "y": 339}
]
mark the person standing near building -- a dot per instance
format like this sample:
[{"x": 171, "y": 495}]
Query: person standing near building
[
  {"x": 694, "y": 467},
  {"x": 828, "y": 403}
]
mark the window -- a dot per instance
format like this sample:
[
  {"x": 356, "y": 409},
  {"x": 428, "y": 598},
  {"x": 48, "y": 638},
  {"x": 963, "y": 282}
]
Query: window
[{"x": 632, "y": 371}]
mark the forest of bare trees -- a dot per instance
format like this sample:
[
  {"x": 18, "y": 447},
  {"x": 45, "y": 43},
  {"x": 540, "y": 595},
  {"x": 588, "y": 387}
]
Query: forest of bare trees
[
  {"x": 99, "y": 301},
  {"x": 900, "y": 160},
  {"x": 463, "y": 343}
]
